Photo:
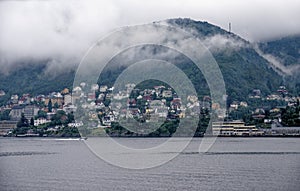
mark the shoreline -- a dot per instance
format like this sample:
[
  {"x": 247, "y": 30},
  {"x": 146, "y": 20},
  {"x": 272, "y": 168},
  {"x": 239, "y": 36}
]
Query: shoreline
[{"x": 85, "y": 138}]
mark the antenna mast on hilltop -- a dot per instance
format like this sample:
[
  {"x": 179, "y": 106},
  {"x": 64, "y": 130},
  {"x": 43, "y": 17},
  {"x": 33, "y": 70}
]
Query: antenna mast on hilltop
[{"x": 229, "y": 27}]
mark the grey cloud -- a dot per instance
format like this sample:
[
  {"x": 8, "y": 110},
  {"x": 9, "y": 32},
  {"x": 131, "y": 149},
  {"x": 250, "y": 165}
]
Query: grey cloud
[
  {"x": 217, "y": 42},
  {"x": 64, "y": 30}
]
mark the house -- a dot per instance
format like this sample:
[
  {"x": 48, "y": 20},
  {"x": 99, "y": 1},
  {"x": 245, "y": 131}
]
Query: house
[
  {"x": 173, "y": 114},
  {"x": 131, "y": 103},
  {"x": 2, "y": 93},
  {"x": 91, "y": 96},
  {"x": 256, "y": 93},
  {"x": 267, "y": 120},
  {"x": 195, "y": 109},
  {"x": 176, "y": 103},
  {"x": 67, "y": 99},
  {"x": 70, "y": 108},
  {"x": 162, "y": 112},
  {"x": 75, "y": 124},
  {"x": 99, "y": 105},
  {"x": 131, "y": 112},
  {"x": 205, "y": 104},
  {"x": 215, "y": 106},
  {"x": 108, "y": 119},
  {"x": 65, "y": 91},
  {"x": 101, "y": 97},
  {"x": 234, "y": 106},
  {"x": 25, "y": 99},
  {"x": 93, "y": 116},
  {"x": 16, "y": 112},
  {"x": 109, "y": 96},
  {"x": 30, "y": 111},
  {"x": 129, "y": 87},
  {"x": 94, "y": 87},
  {"x": 192, "y": 98},
  {"x": 120, "y": 95},
  {"x": 273, "y": 97},
  {"x": 40, "y": 98},
  {"x": 40, "y": 121},
  {"x": 258, "y": 116},
  {"x": 103, "y": 89},
  {"x": 158, "y": 90},
  {"x": 243, "y": 104},
  {"x": 14, "y": 99},
  {"x": 55, "y": 100},
  {"x": 77, "y": 90},
  {"x": 282, "y": 90},
  {"x": 155, "y": 104},
  {"x": 50, "y": 115},
  {"x": 167, "y": 93},
  {"x": 259, "y": 111},
  {"x": 275, "y": 110},
  {"x": 181, "y": 114},
  {"x": 147, "y": 97}
]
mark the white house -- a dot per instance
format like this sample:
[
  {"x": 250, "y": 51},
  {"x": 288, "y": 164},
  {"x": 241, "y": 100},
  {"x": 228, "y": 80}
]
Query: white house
[
  {"x": 40, "y": 121},
  {"x": 75, "y": 124}
]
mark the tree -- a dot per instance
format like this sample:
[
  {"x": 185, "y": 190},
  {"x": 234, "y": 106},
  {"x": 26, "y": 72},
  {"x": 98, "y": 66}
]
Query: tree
[
  {"x": 23, "y": 121},
  {"x": 60, "y": 118},
  {"x": 71, "y": 117},
  {"x": 32, "y": 122},
  {"x": 5, "y": 115},
  {"x": 22, "y": 125},
  {"x": 56, "y": 106},
  {"x": 42, "y": 114},
  {"x": 50, "y": 106}
]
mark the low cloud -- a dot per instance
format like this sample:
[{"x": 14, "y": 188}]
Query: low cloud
[
  {"x": 63, "y": 30},
  {"x": 221, "y": 42},
  {"x": 280, "y": 68}
]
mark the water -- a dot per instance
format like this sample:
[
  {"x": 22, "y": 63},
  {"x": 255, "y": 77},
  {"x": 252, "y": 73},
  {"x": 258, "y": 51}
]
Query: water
[{"x": 232, "y": 164}]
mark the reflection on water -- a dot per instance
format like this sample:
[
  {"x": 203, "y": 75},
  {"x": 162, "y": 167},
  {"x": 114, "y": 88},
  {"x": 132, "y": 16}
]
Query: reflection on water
[{"x": 231, "y": 164}]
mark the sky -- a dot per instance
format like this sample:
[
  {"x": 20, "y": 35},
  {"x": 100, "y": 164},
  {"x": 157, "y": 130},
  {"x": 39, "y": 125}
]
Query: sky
[{"x": 65, "y": 29}]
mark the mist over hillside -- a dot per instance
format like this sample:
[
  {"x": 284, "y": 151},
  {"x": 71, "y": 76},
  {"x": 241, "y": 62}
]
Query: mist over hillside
[{"x": 286, "y": 50}]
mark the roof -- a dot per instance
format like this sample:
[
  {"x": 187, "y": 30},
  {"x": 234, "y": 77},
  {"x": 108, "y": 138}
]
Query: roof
[{"x": 18, "y": 107}]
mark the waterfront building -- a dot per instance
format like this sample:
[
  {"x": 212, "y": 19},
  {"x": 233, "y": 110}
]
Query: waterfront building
[{"x": 235, "y": 128}]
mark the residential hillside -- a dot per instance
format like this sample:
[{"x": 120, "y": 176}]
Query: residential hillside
[{"x": 32, "y": 77}]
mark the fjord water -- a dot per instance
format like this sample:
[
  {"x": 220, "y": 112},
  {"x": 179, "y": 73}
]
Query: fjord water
[{"x": 231, "y": 164}]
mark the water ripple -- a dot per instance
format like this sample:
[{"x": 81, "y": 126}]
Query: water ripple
[
  {"x": 243, "y": 153},
  {"x": 7, "y": 154}
]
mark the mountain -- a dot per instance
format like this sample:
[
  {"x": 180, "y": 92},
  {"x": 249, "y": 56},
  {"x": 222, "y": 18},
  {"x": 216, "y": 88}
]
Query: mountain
[{"x": 243, "y": 68}]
